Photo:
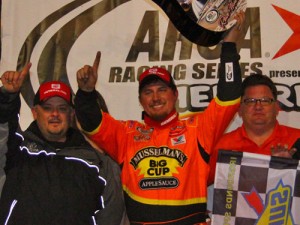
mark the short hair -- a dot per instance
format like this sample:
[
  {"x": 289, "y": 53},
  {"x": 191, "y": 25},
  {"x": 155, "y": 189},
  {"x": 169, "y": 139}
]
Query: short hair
[{"x": 258, "y": 79}]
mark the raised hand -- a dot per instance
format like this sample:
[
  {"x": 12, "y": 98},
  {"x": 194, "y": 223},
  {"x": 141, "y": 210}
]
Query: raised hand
[
  {"x": 13, "y": 80},
  {"x": 87, "y": 76},
  {"x": 235, "y": 32}
]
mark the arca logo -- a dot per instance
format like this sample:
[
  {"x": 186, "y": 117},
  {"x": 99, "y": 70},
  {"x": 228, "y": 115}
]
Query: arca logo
[{"x": 293, "y": 21}]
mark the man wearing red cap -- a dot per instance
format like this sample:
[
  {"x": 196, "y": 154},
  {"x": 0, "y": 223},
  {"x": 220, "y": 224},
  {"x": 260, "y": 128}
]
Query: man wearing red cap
[
  {"x": 165, "y": 159},
  {"x": 53, "y": 175}
]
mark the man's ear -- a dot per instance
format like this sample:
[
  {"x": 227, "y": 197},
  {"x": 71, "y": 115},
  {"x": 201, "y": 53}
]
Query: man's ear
[
  {"x": 176, "y": 93},
  {"x": 277, "y": 107},
  {"x": 240, "y": 110},
  {"x": 72, "y": 116},
  {"x": 34, "y": 113},
  {"x": 73, "y": 113}
]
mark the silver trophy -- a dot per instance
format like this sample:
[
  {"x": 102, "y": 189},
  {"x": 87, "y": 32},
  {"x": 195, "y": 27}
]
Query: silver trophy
[{"x": 203, "y": 22}]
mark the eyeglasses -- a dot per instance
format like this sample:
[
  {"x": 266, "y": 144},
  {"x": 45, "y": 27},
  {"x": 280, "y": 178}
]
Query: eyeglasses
[{"x": 262, "y": 101}]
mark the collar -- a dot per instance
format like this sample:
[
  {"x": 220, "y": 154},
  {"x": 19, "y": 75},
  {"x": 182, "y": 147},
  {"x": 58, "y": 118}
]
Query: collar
[
  {"x": 173, "y": 116},
  {"x": 74, "y": 137},
  {"x": 277, "y": 131}
]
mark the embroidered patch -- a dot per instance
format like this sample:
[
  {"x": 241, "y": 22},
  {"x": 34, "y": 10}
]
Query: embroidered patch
[
  {"x": 178, "y": 140},
  {"x": 144, "y": 134},
  {"x": 229, "y": 72}
]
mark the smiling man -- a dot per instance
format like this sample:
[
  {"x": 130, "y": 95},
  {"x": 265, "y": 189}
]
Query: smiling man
[
  {"x": 53, "y": 175},
  {"x": 164, "y": 159},
  {"x": 260, "y": 132},
  {"x": 157, "y": 93}
]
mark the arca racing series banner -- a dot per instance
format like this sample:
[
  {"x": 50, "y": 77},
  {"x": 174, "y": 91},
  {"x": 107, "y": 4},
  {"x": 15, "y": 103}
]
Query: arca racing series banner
[{"x": 60, "y": 36}]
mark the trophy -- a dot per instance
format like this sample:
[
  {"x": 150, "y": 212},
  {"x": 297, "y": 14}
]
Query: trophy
[{"x": 203, "y": 22}]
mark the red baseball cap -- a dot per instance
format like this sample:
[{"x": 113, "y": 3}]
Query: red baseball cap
[
  {"x": 153, "y": 73},
  {"x": 53, "y": 88}
]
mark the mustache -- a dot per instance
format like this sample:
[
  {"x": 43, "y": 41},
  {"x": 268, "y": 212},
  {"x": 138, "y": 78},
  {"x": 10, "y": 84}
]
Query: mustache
[
  {"x": 54, "y": 120},
  {"x": 157, "y": 102}
]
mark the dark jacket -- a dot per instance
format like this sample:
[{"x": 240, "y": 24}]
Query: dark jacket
[{"x": 55, "y": 183}]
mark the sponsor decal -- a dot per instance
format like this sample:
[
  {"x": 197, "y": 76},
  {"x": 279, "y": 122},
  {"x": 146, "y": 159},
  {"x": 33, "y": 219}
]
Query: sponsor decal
[
  {"x": 55, "y": 86},
  {"x": 177, "y": 130},
  {"x": 169, "y": 119},
  {"x": 144, "y": 134},
  {"x": 277, "y": 207},
  {"x": 212, "y": 16},
  {"x": 158, "y": 166},
  {"x": 141, "y": 138},
  {"x": 178, "y": 140},
  {"x": 229, "y": 72},
  {"x": 130, "y": 123},
  {"x": 159, "y": 183}
]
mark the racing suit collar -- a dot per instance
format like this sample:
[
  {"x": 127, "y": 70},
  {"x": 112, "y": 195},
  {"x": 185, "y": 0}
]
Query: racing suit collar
[{"x": 173, "y": 116}]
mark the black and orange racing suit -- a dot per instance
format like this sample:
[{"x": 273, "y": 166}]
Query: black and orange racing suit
[{"x": 165, "y": 165}]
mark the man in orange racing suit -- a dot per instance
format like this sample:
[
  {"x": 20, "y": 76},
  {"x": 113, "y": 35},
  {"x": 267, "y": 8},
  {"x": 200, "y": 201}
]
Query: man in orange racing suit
[{"x": 165, "y": 159}]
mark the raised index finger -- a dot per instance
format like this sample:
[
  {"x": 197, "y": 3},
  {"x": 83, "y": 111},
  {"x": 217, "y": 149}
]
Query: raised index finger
[
  {"x": 97, "y": 61},
  {"x": 24, "y": 72},
  {"x": 25, "y": 69}
]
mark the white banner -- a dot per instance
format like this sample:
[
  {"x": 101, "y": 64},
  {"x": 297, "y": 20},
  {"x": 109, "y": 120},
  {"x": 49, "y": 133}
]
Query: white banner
[{"x": 60, "y": 36}]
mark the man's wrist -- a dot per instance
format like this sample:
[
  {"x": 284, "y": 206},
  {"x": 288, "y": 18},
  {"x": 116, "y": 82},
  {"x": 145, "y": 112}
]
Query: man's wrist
[
  {"x": 87, "y": 89},
  {"x": 3, "y": 90},
  {"x": 6, "y": 96}
]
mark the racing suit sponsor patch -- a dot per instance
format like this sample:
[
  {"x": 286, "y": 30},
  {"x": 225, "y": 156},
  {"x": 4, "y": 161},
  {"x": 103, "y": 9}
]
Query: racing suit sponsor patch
[{"x": 157, "y": 166}]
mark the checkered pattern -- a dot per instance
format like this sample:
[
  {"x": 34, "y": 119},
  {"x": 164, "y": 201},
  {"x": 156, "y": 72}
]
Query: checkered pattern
[{"x": 255, "y": 189}]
